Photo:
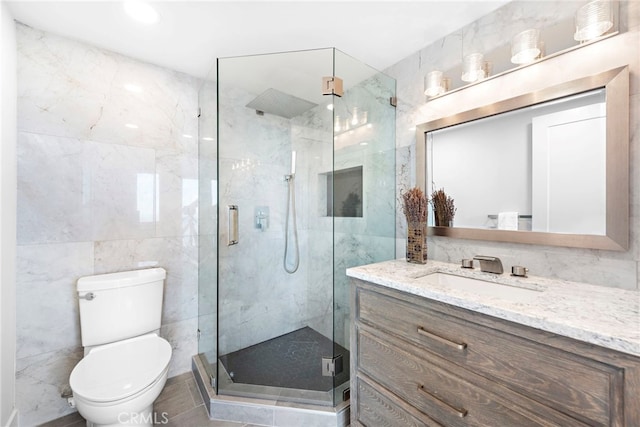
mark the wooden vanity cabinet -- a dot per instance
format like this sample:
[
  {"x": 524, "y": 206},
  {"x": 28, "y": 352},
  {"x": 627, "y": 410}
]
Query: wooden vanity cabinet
[{"x": 419, "y": 362}]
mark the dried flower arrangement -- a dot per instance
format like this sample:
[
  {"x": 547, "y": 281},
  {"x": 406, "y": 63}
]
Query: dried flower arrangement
[
  {"x": 414, "y": 207},
  {"x": 444, "y": 208}
]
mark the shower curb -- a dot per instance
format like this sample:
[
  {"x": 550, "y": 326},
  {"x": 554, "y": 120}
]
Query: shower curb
[{"x": 265, "y": 412}]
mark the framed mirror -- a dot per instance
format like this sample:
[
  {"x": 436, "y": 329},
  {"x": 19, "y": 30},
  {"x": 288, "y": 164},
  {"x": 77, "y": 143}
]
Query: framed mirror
[{"x": 549, "y": 167}]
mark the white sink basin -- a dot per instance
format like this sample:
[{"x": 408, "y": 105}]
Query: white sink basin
[{"x": 468, "y": 285}]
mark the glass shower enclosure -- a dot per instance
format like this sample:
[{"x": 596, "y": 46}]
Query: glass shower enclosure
[{"x": 297, "y": 185}]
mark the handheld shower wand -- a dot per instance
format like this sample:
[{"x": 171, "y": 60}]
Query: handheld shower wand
[{"x": 291, "y": 202}]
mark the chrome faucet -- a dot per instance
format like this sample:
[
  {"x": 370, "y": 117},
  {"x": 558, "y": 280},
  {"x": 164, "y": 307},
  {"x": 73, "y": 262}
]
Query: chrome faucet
[{"x": 489, "y": 264}]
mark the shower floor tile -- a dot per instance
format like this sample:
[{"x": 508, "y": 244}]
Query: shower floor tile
[{"x": 293, "y": 360}]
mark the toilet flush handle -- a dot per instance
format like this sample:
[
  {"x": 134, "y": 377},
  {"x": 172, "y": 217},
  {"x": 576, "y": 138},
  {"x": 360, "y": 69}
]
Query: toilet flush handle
[{"x": 88, "y": 296}]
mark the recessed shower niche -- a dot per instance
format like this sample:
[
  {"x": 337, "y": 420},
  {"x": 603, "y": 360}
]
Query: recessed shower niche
[
  {"x": 343, "y": 197},
  {"x": 274, "y": 308}
]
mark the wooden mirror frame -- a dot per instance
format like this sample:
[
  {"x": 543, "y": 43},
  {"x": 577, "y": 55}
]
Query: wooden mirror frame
[{"x": 616, "y": 83}]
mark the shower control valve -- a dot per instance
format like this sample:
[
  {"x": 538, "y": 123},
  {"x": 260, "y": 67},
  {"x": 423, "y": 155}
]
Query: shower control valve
[{"x": 262, "y": 217}]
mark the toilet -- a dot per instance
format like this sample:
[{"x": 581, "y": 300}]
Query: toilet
[{"x": 125, "y": 362}]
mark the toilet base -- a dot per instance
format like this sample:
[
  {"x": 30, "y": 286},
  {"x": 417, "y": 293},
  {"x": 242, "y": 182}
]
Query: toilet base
[{"x": 144, "y": 418}]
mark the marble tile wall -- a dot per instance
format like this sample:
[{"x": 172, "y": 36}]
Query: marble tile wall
[
  {"x": 97, "y": 194},
  {"x": 606, "y": 268}
]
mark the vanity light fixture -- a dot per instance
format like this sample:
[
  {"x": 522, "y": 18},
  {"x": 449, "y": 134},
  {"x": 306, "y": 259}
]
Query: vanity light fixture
[
  {"x": 525, "y": 46},
  {"x": 593, "y": 20},
  {"x": 435, "y": 83},
  {"x": 473, "y": 67},
  {"x": 141, "y": 11}
]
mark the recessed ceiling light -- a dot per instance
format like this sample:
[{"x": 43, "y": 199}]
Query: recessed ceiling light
[
  {"x": 141, "y": 11},
  {"x": 131, "y": 126}
]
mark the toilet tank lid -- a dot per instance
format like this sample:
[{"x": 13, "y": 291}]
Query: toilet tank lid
[{"x": 120, "y": 280}]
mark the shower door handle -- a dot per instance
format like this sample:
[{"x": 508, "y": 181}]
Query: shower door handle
[{"x": 232, "y": 211}]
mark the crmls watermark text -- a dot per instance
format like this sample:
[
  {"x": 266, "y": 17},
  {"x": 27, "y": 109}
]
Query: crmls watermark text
[{"x": 143, "y": 418}]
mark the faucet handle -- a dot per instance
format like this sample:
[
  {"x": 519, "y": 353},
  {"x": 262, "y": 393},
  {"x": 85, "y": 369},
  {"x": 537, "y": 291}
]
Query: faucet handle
[
  {"x": 467, "y": 263},
  {"x": 490, "y": 264}
]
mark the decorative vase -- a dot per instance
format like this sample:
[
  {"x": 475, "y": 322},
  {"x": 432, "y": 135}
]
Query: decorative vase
[
  {"x": 417, "y": 242},
  {"x": 444, "y": 208},
  {"x": 442, "y": 221}
]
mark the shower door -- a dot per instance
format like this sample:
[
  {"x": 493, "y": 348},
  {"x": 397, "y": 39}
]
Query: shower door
[{"x": 299, "y": 201}]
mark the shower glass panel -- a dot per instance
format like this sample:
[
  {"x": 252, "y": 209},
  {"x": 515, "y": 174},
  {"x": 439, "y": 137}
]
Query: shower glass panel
[
  {"x": 305, "y": 189},
  {"x": 207, "y": 226},
  {"x": 364, "y": 168}
]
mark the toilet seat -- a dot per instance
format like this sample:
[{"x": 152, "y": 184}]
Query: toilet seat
[{"x": 120, "y": 370}]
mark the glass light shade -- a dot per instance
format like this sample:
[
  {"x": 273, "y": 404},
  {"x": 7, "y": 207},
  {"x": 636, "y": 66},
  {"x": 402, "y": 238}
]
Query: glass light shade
[
  {"x": 593, "y": 20},
  {"x": 525, "y": 46},
  {"x": 435, "y": 84},
  {"x": 473, "y": 67}
]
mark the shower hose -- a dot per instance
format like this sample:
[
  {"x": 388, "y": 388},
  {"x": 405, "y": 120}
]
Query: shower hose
[{"x": 291, "y": 202}]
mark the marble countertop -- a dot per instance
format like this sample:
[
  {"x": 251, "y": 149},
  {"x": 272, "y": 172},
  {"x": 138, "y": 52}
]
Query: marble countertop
[{"x": 607, "y": 317}]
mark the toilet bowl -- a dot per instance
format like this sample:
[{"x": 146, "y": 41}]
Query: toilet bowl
[
  {"x": 116, "y": 384},
  {"x": 125, "y": 362}
]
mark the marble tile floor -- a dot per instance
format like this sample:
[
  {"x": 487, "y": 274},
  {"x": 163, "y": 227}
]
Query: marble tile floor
[{"x": 179, "y": 405}]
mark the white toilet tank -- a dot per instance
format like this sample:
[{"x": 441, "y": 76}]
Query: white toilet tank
[{"x": 118, "y": 306}]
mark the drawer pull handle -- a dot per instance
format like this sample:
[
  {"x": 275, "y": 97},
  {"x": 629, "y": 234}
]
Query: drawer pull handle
[
  {"x": 461, "y": 412},
  {"x": 458, "y": 345}
]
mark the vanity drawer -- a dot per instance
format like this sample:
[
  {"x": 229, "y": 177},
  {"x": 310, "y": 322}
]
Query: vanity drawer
[
  {"x": 437, "y": 389},
  {"x": 585, "y": 389},
  {"x": 379, "y": 409}
]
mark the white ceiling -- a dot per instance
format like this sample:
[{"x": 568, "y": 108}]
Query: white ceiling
[{"x": 192, "y": 34}]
